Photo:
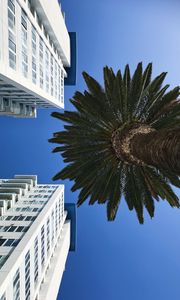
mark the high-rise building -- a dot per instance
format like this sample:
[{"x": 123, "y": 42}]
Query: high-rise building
[
  {"x": 35, "y": 50},
  {"x": 36, "y": 234}
]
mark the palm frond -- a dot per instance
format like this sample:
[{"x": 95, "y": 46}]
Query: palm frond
[{"x": 98, "y": 170}]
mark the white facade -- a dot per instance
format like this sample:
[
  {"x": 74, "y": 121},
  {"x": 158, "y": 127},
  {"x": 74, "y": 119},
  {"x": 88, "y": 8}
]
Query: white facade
[
  {"x": 34, "y": 49},
  {"x": 34, "y": 239}
]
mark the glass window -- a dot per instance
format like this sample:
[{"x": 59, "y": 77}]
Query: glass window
[
  {"x": 35, "y": 209},
  {"x": 2, "y": 241},
  {"x": 20, "y": 229},
  {"x": 48, "y": 235},
  {"x": 33, "y": 31},
  {"x": 34, "y": 70},
  {"x": 24, "y": 52},
  {"x": 27, "y": 276},
  {"x": 52, "y": 75},
  {"x": 12, "y": 228},
  {"x": 42, "y": 247},
  {"x": 41, "y": 76},
  {"x": 25, "y": 228},
  {"x": 33, "y": 34},
  {"x": 9, "y": 218},
  {"x": 52, "y": 226},
  {"x": 36, "y": 260},
  {"x": 56, "y": 218},
  {"x": 12, "y": 50},
  {"x": 9, "y": 242},
  {"x": 3, "y": 259},
  {"x": 11, "y": 20},
  {"x": 24, "y": 36},
  {"x": 24, "y": 19},
  {"x": 12, "y": 44},
  {"x": 5, "y": 228},
  {"x": 11, "y": 5},
  {"x": 15, "y": 243},
  {"x": 16, "y": 286},
  {"x": 41, "y": 50}
]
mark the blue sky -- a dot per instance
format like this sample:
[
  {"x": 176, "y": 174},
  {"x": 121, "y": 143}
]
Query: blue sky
[{"x": 119, "y": 260}]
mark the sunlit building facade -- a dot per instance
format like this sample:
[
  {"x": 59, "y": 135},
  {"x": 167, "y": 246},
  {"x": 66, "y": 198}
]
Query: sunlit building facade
[
  {"x": 35, "y": 49},
  {"x": 36, "y": 234}
]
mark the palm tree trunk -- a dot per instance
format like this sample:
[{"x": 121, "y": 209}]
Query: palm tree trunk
[{"x": 160, "y": 149}]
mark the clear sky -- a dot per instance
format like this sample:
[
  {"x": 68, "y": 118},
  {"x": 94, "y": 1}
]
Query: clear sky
[{"x": 119, "y": 260}]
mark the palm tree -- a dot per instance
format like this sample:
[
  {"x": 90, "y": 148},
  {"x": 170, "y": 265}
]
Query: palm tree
[{"x": 123, "y": 139}]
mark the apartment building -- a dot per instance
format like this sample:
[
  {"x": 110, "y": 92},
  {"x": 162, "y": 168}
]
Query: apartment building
[
  {"x": 36, "y": 233},
  {"x": 35, "y": 50}
]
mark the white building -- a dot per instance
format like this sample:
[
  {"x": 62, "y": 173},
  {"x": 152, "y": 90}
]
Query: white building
[
  {"x": 34, "y": 51},
  {"x": 35, "y": 238}
]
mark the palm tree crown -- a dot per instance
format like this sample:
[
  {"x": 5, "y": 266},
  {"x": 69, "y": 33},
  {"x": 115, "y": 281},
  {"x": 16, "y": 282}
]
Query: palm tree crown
[{"x": 123, "y": 139}]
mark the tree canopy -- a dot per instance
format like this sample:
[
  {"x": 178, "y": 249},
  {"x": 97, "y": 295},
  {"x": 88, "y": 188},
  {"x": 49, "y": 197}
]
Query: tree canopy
[{"x": 101, "y": 139}]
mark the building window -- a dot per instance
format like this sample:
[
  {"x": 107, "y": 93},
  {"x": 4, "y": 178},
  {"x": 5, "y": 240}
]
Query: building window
[
  {"x": 24, "y": 61},
  {"x": 21, "y": 218},
  {"x": 12, "y": 60},
  {"x": 34, "y": 75},
  {"x": 12, "y": 228},
  {"x": 22, "y": 229},
  {"x": 2, "y": 241},
  {"x": 16, "y": 286},
  {"x": 3, "y": 259},
  {"x": 59, "y": 84},
  {"x": 11, "y": 6},
  {"x": 36, "y": 260},
  {"x": 8, "y": 218},
  {"x": 41, "y": 57},
  {"x": 62, "y": 86},
  {"x": 41, "y": 80},
  {"x": 11, "y": 243},
  {"x": 11, "y": 34},
  {"x": 15, "y": 218},
  {"x": 24, "y": 52},
  {"x": 24, "y": 19},
  {"x": 30, "y": 218},
  {"x": 11, "y": 15},
  {"x": 36, "y": 209},
  {"x": 41, "y": 49},
  {"x": 62, "y": 206},
  {"x": 12, "y": 44},
  {"x": 59, "y": 210},
  {"x": 27, "y": 276},
  {"x": 24, "y": 36},
  {"x": 42, "y": 247},
  {"x": 52, "y": 226},
  {"x": 56, "y": 80},
  {"x": 56, "y": 218},
  {"x": 48, "y": 235},
  {"x": 47, "y": 54},
  {"x": 52, "y": 75},
  {"x": 33, "y": 41}
]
